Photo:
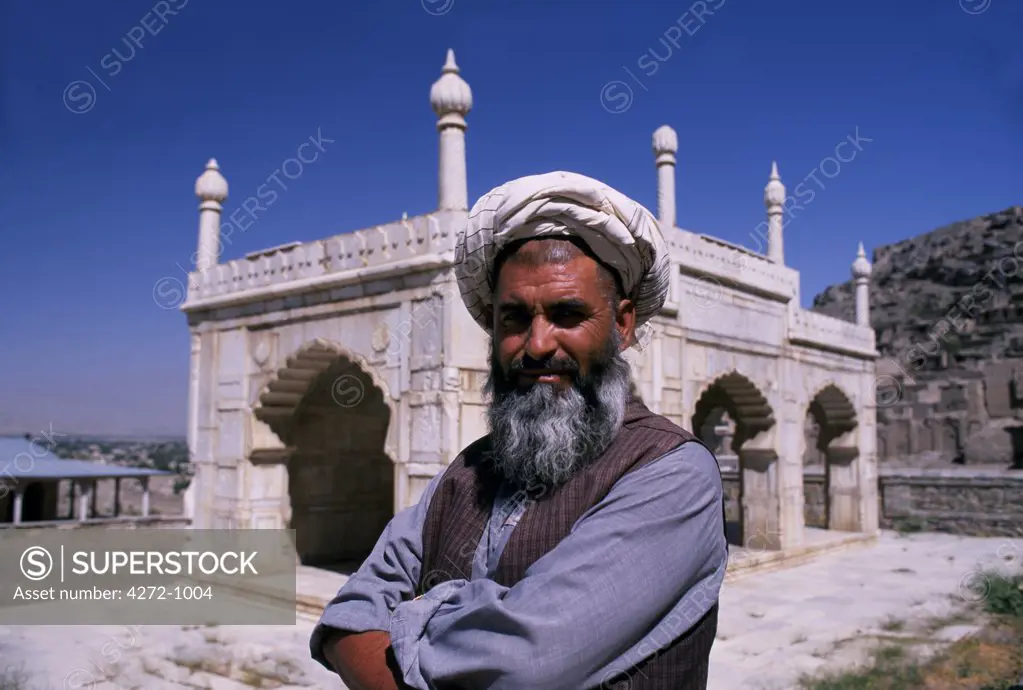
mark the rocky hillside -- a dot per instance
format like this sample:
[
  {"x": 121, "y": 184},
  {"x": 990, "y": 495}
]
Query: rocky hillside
[{"x": 917, "y": 282}]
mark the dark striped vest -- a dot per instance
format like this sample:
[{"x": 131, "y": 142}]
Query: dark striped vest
[{"x": 460, "y": 509}]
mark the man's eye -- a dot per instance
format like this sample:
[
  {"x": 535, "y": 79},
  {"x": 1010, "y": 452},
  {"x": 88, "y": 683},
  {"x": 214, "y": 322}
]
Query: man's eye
[{"x": 566, "y": 317}]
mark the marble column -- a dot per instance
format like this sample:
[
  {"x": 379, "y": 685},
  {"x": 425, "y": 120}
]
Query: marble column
[
  {"x": 451, "y": 99},
  {"x": 761, "y": 524},
  {"x": 844, "y": 496},
  {"x": 665, "y": 148},
  {"x": 861, "y": 270},
  {"x": 774, "y": 200},
  {"x": 211, "y": 189}
]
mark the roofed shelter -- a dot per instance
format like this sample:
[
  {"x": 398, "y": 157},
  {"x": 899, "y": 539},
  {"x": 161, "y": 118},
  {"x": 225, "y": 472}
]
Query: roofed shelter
[{"x": 30, "y": 477}]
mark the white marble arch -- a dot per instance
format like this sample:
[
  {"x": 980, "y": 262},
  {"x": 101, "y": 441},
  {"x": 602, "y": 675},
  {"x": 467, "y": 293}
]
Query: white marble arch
[
  {"x": 281, "y": 398},
  {"x": 334, "y": 419},
  {"x": 753, "y": 442},
  {"x": 835, "y": 408},
  {"x": 836, "y": 416},
  {"x": 741, "y": 397}
]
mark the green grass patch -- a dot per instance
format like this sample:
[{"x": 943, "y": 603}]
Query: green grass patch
[{"x": 990, "y": 660}]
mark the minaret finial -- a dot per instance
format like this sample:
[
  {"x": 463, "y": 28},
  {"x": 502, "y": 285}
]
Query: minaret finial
[
  {"x": 861, "y": 267},
  {"x": 211, "y": 185},
  {"x": 451, "y": 100},
  {"x": 450, "y": 66}
]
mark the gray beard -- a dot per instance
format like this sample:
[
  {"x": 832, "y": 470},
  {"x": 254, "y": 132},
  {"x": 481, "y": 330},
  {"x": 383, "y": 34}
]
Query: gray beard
[{"x": 541, "y": 436}]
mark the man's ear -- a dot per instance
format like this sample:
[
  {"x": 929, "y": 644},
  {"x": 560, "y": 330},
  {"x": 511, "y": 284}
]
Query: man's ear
[{"x": 625, "y": 322}]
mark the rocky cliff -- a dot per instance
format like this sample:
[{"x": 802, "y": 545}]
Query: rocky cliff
[
  {"x": 947, "y": 307},
  {"x": 917, "y": 282}
]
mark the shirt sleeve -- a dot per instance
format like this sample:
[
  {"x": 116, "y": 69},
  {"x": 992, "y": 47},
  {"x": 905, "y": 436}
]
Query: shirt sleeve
[
  {"x": 646, "y": 563},
  {"x": 387, "y": 576}
]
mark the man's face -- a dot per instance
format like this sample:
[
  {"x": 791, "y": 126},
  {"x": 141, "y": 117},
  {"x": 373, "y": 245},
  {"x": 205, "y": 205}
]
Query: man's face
[
  {"x": 559, "y": 381},
  {"x": 552, "y": 321}
]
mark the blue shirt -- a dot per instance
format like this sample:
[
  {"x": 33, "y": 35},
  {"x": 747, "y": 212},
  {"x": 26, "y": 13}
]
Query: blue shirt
[{"x": 636, "y": 572}]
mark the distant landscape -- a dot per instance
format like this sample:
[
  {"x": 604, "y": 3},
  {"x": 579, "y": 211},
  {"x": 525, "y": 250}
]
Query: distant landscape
[{"x": 168, "y": 455}]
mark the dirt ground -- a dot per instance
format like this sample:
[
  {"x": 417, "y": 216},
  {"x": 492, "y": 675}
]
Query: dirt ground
[{"x": 911, "y": 604}]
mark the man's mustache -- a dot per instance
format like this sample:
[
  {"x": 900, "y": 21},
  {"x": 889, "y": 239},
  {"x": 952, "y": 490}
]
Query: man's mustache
[{"x": 558, "y": 365}]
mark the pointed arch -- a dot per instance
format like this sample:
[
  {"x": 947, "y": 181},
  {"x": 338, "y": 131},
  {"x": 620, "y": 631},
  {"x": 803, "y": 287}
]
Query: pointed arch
[
  {"x": 834, "y": 410},
  {"x": 333, "y": 413},
  {"x": 739, "y": 396},
  {"x": 838, "y": 448},
  {"x": 282, "y": 399},
  {"x": 733, "y": 395}
]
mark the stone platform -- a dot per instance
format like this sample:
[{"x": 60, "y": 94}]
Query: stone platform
[{"x": 746, "y": 561}]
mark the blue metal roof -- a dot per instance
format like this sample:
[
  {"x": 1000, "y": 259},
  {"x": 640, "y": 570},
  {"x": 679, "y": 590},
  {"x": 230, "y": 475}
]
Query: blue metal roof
[{"x": 21, "y": 458}]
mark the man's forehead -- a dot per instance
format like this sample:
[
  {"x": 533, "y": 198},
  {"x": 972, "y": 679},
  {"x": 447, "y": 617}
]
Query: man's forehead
[
  {"x": 516, "y": 301},
  {"x": 573, "y": 279},
  {"x": 548, "y": 248}
]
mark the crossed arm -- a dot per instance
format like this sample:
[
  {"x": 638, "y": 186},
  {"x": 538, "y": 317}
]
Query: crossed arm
[
  {"x": 363, "y": 660},
  {"x": 636, "y": 571},
  {"x": 352, "y": 637}
]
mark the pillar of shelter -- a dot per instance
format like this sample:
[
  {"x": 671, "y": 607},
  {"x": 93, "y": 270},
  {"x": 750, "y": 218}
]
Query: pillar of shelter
[
  {"x": 85, "y": 499},
  {"x": 19, "y": 501}
]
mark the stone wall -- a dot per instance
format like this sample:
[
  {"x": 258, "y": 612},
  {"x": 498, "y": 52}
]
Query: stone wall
[
  {"x": 981, "y": 502},
  {"x": 949, "y": 416},
  {"x": 977, "y": 502}
]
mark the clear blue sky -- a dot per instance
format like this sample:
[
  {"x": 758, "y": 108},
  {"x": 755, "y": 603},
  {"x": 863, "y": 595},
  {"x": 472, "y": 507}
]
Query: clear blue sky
[{"x": 96, "y": 207}]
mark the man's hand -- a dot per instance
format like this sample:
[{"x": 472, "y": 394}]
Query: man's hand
[{"x": 363, "y": 660}]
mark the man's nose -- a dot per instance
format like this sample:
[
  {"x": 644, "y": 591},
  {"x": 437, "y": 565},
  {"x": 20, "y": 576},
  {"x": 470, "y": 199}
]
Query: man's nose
[{"x": 541, "y": 344}]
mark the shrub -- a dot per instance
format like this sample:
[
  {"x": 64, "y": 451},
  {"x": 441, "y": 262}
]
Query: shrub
[{"x": 1004, "y": 595}]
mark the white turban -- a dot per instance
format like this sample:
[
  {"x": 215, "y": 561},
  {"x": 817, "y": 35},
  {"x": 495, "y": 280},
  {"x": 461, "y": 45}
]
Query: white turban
[{"x": 619, "y": 231}]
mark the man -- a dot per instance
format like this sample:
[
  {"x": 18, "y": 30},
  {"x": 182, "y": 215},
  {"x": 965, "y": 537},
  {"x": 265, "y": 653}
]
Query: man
[{"x": 580, "y": 544}]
